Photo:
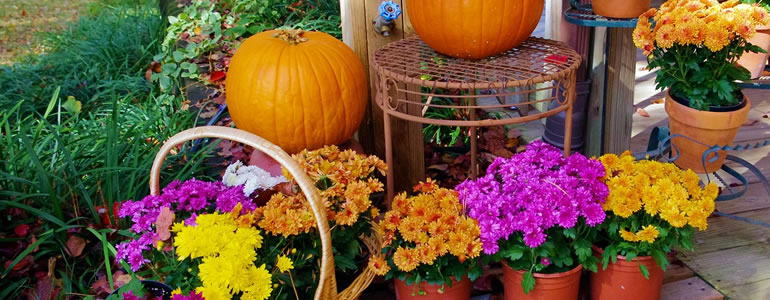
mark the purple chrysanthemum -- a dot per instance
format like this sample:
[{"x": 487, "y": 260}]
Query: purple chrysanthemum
[
  {"x": 183, "y": 198},
  {"x": 532, "y": 192}
]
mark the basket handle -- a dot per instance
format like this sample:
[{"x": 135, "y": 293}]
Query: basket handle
[{"x": 327, "y": 285}]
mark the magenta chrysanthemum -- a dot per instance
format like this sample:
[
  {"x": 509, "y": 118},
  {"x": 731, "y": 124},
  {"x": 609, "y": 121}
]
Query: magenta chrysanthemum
[
  {"x": 532, "y": 192},
  {"x": 184, "y": 199}
]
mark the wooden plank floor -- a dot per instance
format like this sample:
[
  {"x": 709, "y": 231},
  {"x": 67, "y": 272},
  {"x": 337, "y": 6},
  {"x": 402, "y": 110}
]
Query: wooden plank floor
[{"x": 731, "y": 257}]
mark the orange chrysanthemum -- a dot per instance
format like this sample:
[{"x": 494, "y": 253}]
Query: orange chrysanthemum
[{"x": 432, "y": 224}]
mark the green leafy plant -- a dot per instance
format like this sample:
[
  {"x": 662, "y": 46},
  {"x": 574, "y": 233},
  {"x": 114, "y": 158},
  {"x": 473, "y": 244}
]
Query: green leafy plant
[{"x": 694, "y": 46}]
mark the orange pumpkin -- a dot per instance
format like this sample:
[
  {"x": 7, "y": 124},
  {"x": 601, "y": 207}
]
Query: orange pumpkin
[
  {"x": 299, "y": 90},
  {"x": 474, "y": 29}
]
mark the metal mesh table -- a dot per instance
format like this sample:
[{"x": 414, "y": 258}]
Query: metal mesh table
[{"x": 410, "y": 75}]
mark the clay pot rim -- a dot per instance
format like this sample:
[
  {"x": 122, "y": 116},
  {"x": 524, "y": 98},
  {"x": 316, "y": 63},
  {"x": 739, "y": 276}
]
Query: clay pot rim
[
  {"x": 678, "y": 109},
  {"x": 738, "y": 106},
  {"x": 544, "y": 275},
  {"x": 621, "y": 257},
  {"x": 763, "y": 29}
]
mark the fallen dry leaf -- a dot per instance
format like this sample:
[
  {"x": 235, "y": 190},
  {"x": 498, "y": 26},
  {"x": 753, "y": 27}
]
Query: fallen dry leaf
[
  {"x": 750, "y": 122},
  {"x": 442, "y": 167},
  {"x": 75, "y": 244},
  {"x": 163, "y": 222},
  {"x": 642, "y": 112},
  {"x": 659, "y": 101}
]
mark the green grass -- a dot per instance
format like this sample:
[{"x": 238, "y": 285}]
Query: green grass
[
  {"x": 59, "y": 163},
  {"x": 107, "y": 53},
  {"x": 21, "y": 21}
]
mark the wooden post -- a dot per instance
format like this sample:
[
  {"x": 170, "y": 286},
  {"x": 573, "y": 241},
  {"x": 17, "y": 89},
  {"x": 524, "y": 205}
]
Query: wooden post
[
  {"x": 595, "y": 111},
  {"x": 621, "y": 78},
  {"x": 359, "y": 34}
]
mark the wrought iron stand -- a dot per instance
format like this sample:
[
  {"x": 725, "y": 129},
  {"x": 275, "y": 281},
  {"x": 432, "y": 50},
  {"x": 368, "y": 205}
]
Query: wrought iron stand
[{"x": 409, "y": 75}]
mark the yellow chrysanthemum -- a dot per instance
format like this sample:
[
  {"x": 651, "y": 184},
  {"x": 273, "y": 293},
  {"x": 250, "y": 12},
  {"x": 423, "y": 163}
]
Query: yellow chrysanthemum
[
  {"x": 228, "y": 253},
  {"x": 648, "y": 234},
  {"x": 379, "y": 265},
  {"x": 284, "y": 264},
  {"x": 628, "y": 236}
]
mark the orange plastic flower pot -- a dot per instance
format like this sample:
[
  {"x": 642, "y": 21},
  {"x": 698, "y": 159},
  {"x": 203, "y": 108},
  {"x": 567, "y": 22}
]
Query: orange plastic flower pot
[
  {"x": 562, "y": 286},
  {"x": 458, "y": 291},
  {"x": 624, "y": 9},
  {"x": 624, "y": 280},
  {"x": 707, "y": 127}
]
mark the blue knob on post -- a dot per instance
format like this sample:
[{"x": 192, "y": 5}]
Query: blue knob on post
[{"x": 389, "y": 12}]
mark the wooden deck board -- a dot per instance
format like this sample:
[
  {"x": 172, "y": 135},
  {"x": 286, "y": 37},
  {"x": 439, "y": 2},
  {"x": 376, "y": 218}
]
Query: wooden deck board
[
  {"x": 759, "y": 290},
  {"x": 732, "y": 267},
  {"x": 690, "y": 289},
  {"x": 756, "y": 198},
  {"x": 724, "y": 233}
]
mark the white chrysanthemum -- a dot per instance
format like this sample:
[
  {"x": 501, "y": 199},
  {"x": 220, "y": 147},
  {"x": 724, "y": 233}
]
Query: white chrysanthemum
[{"x": 251, "y": 178}]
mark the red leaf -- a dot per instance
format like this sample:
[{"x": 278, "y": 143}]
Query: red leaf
[
  {"x": 22, "y": 263},
  {"x": 163, "y": 222},
  {"x": 43, "y": 290},
  {"x": 642, "y": 112},
  {"x": 553, "y": 58},
  {"x": 75, "y": 244},
  {"x": 105, "y": 217},
  {"x": 217, "y": 76},
  {"x": 21, "y": 230}
]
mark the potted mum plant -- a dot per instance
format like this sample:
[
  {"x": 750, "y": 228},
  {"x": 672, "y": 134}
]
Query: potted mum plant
[
  {"x": 652, "y": 208},
  {"x": 755, "y": 62},
  {"x": 430, "y": 247},
  {"x": 694, "y": 45},
  {"x": 536, "y": 211}
]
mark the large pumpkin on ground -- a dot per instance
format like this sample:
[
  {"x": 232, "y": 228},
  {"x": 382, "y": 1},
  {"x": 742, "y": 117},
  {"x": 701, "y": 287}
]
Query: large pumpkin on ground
[
  {"x": 299, "y": 90},
  {"x": 474, "y": 29}
]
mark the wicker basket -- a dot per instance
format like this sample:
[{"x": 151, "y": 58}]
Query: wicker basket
[{"x": 327, "y": 285}]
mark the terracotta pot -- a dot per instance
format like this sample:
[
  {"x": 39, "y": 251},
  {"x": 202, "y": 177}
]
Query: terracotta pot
[
  {"x": 708, "y": 127},
  {"x": 562, "y": 286},
  {"x": 624, "y": 280},
  {"x": 458, "y": 291},
  {"x": 755, "y": 62},
  {"x": 623, "y": 9}
]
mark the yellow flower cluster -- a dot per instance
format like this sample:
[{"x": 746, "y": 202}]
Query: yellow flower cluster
[
  {"x": 227, "y": 247},
  {"x": 648, "y": 234},
  {"x": 433, "y": 221},
  {"x": 660, "y": 189},
  {"x": 344, "y": 181},
  {"x": 698, "y": 22},
  {"x": 284, "y": 264}
]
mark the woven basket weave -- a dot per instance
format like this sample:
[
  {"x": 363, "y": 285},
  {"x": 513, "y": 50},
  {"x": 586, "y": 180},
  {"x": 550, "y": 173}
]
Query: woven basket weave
[{"x": 327, "y": 285}]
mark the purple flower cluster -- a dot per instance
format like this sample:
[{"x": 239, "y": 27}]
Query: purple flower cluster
[
  {"x": 192, "y": 296},
  {"x": 532, "y": 192},
  {"x": 186, "y": 198}
]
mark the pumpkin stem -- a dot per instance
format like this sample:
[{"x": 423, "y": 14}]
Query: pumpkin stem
[{"x": 291, "y": 36}]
